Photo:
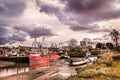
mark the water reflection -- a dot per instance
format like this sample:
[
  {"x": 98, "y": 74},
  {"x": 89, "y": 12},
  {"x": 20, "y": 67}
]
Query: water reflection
[
  {"x": 23, "y": 67},
  {"x": 41, "y": 65},
  {"x": 15, "y": 69}
]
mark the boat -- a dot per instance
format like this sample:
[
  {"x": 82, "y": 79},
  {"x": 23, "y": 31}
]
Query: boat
[
  {"x": 88, "y": 59},
  {"x": 65, "y": 56},
  {"x": 10, "y": 53},
  {"x": 92, "y": 58},
  {"x": 42, "y": 56},
  {"x": 75, "y": 62}
]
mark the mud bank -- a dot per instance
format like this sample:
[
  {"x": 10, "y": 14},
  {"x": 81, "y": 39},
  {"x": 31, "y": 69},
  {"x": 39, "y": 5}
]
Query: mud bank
[
  {"x": 6, "y": 63},
  {"x": 57, "y": 72}
]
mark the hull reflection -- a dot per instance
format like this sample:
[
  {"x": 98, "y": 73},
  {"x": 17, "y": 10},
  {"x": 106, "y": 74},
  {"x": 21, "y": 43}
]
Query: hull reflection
[
  {"x": 41, "y": 65},
  {"x": 21, "y": 68},
  {"x": 16, "y": 69}
]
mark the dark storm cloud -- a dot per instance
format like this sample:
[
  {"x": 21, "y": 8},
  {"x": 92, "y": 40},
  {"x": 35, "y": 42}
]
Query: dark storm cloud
[
  {"x": 50, "y": 9},
  {"x": 47, "y": 8},
  {"x": 36, "y": 30},
  {"x": 41, "y": 31},
  {"x": 87, "y": 5},
  {"x": 10, "y": 8},
  {"x": 108, "y": 15},
  {"x": 3, "y": 31},
  {"x": 18, "y": 36},
  {"x": 3, "y": 37},
  {"x": 82, "y": 12},
  {"x": 3, "y": 40},
  {"x": 11, "y": 37},
  {"x": 89, "y": 28},
  {"x": 92, "y": 11}
]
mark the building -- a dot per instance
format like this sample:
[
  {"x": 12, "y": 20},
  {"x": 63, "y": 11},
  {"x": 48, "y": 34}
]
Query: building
[
  {"x": 86, "y": 43},
  {"x": 3, "y": 50},
  {"x": 17, "y": 50}
]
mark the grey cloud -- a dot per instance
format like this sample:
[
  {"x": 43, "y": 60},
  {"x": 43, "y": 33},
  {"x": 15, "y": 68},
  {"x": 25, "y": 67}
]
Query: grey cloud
[
  {"x": 89, "y": 28},
  {"x": 41, "y": 31},
  {"x": 24, "y": 28},
  {"x": 18, "y": 36},
  {"x": 101, "y": 39},
  {"x": 79, "y": 27},
  {"x": 51, "y": 9},
  {"x": 98, "y": 39},
  {"x": 3, "y": 40},
  {"x": 108, "y": 15},
  {"x": 90, "y": 11},
  {"x": 8, "y": 36},
  {"x": 36, "y": 30},
  {"x": 83, "y": 13},
  {"x": 10, "y": 8},
  {"x": 3, "y": 31},
  {"x": 87, "y": 5},
  {"x": 47, "y": 8},
  {"x": 3, "y": 22}
]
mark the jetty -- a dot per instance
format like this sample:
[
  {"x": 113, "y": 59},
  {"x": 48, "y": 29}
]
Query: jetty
[{"x": 23, "y": 59}]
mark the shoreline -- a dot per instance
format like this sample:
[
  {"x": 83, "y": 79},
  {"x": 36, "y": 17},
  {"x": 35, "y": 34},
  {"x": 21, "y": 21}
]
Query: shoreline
[
  {"x": 6, "y": 63},
  {"x": 48, "y": 73}
]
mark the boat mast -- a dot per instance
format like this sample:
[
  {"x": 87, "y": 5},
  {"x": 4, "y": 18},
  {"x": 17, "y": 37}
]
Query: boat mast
[{"x": 35, "y": 43}]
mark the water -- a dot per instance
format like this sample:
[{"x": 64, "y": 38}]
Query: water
[
  {"x": 58, "y": 70},
  {"x": 23, "y": 67},
  {"x": 15, "y": 69}
]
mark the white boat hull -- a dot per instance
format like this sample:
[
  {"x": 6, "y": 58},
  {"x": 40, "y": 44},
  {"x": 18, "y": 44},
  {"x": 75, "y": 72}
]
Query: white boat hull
[{"x": 83, "y": 61}]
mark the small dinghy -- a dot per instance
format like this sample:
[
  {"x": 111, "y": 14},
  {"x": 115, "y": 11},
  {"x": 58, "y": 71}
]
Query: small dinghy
[
  {"x": 88, "y": 59},
  {"x": 75, "y": 62}
]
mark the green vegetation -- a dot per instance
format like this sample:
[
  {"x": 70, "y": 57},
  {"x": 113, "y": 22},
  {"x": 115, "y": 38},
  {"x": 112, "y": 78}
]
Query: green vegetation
[
  {"x": 95, "y": 51},
  {"x": 115, "y": 35},
  {"x": 79, "y": 53},
  {"x": 117, "y": 49},
  {"x": 104, "y": 69},
  {"x": 76, "y": 54}
]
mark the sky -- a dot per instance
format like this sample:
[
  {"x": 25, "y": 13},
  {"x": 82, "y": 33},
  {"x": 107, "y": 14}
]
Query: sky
[{"x": 59, "y": 20}]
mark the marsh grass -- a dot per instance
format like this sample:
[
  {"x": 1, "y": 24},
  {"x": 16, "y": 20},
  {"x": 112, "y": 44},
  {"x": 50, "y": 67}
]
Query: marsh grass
[{"x": 105, "y": 69}]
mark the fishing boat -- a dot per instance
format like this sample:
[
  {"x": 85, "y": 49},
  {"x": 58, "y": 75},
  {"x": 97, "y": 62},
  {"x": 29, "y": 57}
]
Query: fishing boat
[{"x": 42, "y": 54}]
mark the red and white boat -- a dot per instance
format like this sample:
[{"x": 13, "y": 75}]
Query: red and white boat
[{"x": 42, "y": 56}]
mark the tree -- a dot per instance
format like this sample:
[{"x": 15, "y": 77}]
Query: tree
[
  {"x": 72, "y": 42},
  {"x": 99, "y": 45},
  {"x": 115, "y": 36},
  {"x": 109, "y": 45}
]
